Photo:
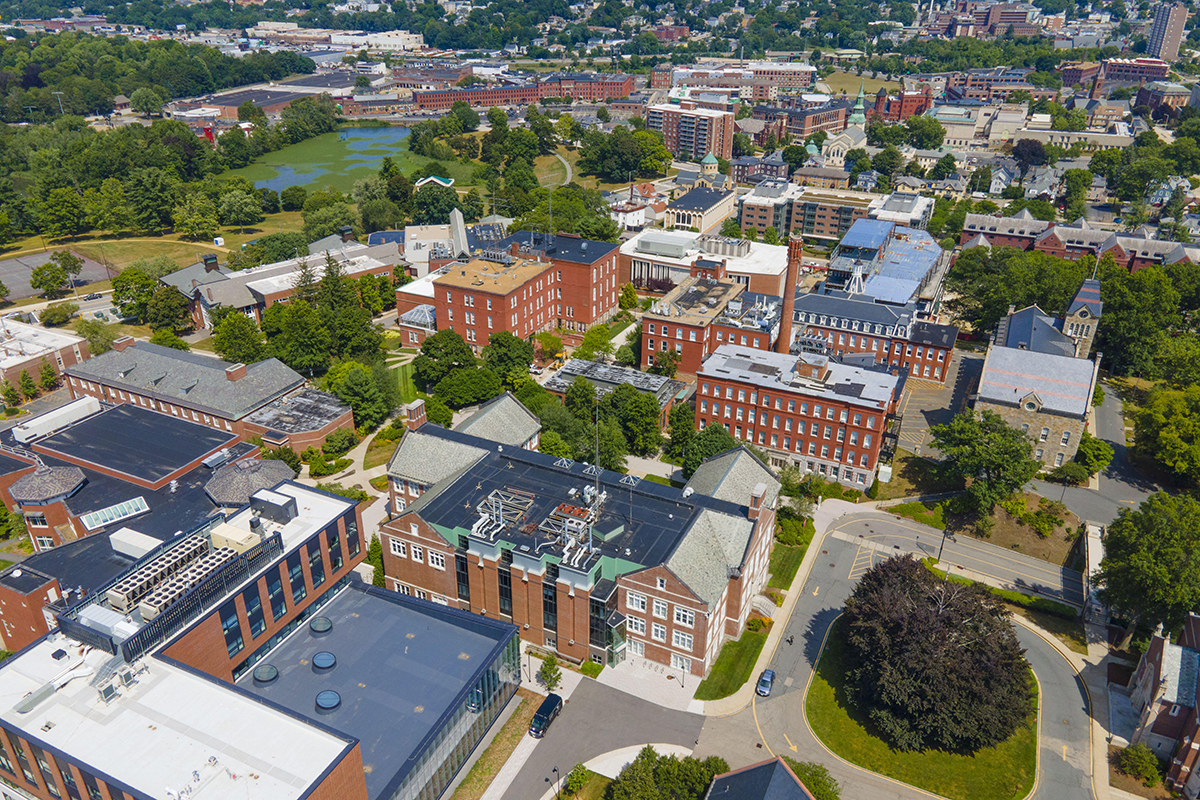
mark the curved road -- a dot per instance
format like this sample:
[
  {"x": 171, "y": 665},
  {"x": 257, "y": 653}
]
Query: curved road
[
  {"x": 777, "y": 725},
  {"x": 566, "y": 165}
]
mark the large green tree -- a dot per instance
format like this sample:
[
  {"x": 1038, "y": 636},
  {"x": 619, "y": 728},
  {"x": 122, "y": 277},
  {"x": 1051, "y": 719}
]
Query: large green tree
[
  {"x": 933, "y": 664},
  {"x": 441, "y": 354},
  {"x": 358, "y": 390},
  {"x": 1150, "y": 572},
  {"x": 998, "y": 459},
  {"x": 651, "y": 776},
  {"x": 237, "y": 338},
  {"x": 507, "y": 354},
  {"x": 132, "y": 290},
  {"x": 1167, "y": 429},
  {"x": 50, "y": 279},
  {"x": 711, "y": 441},
  {"x": 167, "y": 308}
]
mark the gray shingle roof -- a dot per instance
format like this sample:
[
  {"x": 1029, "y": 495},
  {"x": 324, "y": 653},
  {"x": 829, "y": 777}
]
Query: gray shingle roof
[
  {"x": 429, "y": 459},
  {"x": 1033, "y": 329},
  {"x": 189, "y": 380},
  {"x": 1022, "y": 224},
  {"x": 182, "y": 279},
  {"x": 1089, "y": 296},
  {"x": 713, "y": 541},
  {"x": 504, "y": 420},
  {"x": 45, "y": 483},
  {"x": 1062, "y": 384},
  {"x": 770, "y": 780},
  {"x": 231, "y": 485},
  {"x": 732, "y": 476}
]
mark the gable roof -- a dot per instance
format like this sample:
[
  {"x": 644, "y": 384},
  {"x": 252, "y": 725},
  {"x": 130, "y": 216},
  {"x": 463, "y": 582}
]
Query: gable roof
[
  {"x": 1087, "y": 297},
  {"x": 427, "y": 459},
  {"x": 502, "y": 419},
  {"x": 732, "y": 476},
  {"x": 1063, "y": 384},
  {"x": 1033, "y": 329},
  {"x": 189, "y": 380},
  {"x": 767, "y": 780},
  {"x": 713, "y": 539}
]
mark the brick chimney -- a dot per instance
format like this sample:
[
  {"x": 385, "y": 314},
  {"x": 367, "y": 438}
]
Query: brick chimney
[
  {"x": 124, "y": 342},
  {"x": 210, "y": 262},
  {"x": 795, "y": 251},
  {"x": 416, "y": 414},
  {"x": 235, "y": 372},
  {"x": 347, "y": 233},
  {"x": 756, "y": 499}
]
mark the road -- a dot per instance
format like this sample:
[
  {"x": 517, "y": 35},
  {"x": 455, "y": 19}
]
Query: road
[
  {"x": 567, "y": 166},
  {"x": 1120, "y": 485},
  {"x": 777, "y": 725}
]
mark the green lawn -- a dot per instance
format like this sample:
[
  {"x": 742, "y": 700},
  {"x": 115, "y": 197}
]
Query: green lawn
[
  {"x": 408, "y": 390},
  {"x": 930, "y": 514},
  {"x": 785, "y": 560},
  {"x": 1005, "y": 772},
  {"x": 914, "y": 475},
  {"x": 733, "y": 666}
]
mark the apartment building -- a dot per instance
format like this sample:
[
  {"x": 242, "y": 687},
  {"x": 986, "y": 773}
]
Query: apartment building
[
  {"x": 590, "y": 564},
  {"x": 692, "y": 132},
  {"x": 1134, "y": 70},
  {"x": 825, "y": 417},
  {"x": 805, "y": 210},
  {"x": 1167, "y": 31}
]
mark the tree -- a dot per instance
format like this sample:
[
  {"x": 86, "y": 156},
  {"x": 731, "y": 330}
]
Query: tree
[
  {"x": 358, "y": 390},
  {"x": 998, "y": 459},
  {"x": 1150, "y": 572},
  {"x": 1138, "y": 307},
  {"x": 550, "y": 674},
  {"x": 330, "y": 219},
  {"x": 552, "y": 444},
  {"x": 12, "y": 397},
  {"x": 1029, "y": 153},
  {"x": 1094, "y": 454},
  {"x": 711, "y": 441},
  {"x": 944, "y": 168},
  {"x": 681, "y": 426},
  {"x": 507, "y": 354},
  {"x": 27, "y": 385},
  {"x": 107, "y": 207},
  {"x": 770, "y": 235},
  {"x": 167, "y": 308},
  {"x": 285, "y": 454},
  {"x": 468, "y": 387},
  {"x": 240, "y": 209},
  {"x": 580, "y": 398},
  {"x": 100, "y": 337},
  {"x": 50, "y": 279},
  {"x": 62, "y": 213},
  {"x": 432, "y": 205},
  {"x": 666, "y": 363},
  {"x": 603, "y": 114},
  {"x": 165, "y": 337},
  {"x": 596, "y": 341},
  {"x": 731, "y": 227},
  {"x": 1166, "y": 430},
  {"x": 375, "y": 559},
  {"x": 441, "y": 354},
  {"x": 638, "y": 414},
  {"x": 303, "y": 341},
  {"x": 379, "y": 215},
  {"x": 58, "y": 314},
  {"x": 933, "y": 664},
  {"x": 816, "y": 778},
  {"x": 132, "y": 290},
  {"x": 292, "y": 198},
  {"x": 925, "y": 133},
  {"x": 1139, "y": 761},
  {"x": 237, "y": 338},
  {"x": 653, "y": 777},
  {"x": 196, "y": 217},
  {"x": 549, "y": 345},
  {"x": 48, "y": 377},
  {"x": 145, "y": 101},
  {"x": 628, "y": 297},
  {"x": 888, "y": 161}
]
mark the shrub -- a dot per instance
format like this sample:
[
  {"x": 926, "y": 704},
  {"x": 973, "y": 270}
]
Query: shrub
[
  {"x": 591, "y": 669},
  {"x": 873, "y": 492},
  {"x": 287, "y": 455},
  {"x": 550, "y": 675},
  {"x": 757, "y": 624},
  {"x": 1138, "y": 761},
  {"x": 1098, "y": 395},
  {"x": 1071, "y": 472},
  {"x": 793, "y": 531},
  {"x": 576, "y": 779},
  {"x": 350, "y": 492},
  {"x": 58, "y": 314},
  {"x": 339, "y": 442}
]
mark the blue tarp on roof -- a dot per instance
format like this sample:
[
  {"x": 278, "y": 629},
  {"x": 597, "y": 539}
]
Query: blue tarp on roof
[
  {"x": 867, "y": 233},
  {"x": 910, "y": 255}
]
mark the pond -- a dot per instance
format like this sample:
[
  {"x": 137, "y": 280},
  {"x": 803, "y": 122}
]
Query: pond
[{"x": 335, "y": 159}]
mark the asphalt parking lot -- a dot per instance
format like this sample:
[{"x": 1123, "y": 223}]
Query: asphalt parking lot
[{"x": 926, "y": 404}]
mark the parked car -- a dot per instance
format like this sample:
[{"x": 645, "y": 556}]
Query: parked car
[
  {"x": 94, "y": 296},
  {"x": 546, "y": 714},
  {"x": 534, "y": 370},
  {"x": 765, "y": 682}
]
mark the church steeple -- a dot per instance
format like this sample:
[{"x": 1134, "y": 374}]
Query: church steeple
[{"x": 859, "y": 115}]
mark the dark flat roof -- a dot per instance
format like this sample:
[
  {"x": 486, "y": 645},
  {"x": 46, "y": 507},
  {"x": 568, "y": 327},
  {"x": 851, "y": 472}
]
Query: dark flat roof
[
  {"x": 136, "y": 441},
  {"x": 86, "y": 563},
  {"x": 328, "y": 80},
  {"x": 700, "y": 199},
  {"x": 9, "y": 465},
  {"x": 259, "y": 97},
  {"x": 565, "y": 248},
  {"x": 403, "y": 667}
]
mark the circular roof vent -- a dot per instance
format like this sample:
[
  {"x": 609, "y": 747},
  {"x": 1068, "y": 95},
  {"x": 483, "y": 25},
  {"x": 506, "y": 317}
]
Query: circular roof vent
[
  {"x": 320, "y": 625},
  {"x": 265, "y": 673},
  {"x": 324, "y": 660},
  {"x": 328, "y": 701}
]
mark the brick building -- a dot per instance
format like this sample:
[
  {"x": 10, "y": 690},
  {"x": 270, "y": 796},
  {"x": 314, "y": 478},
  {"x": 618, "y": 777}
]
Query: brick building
[
  {"x": 591, "y": 88},
  {"x": 822, "y": 178},
  {"x": 1163, "y": 93},
  {"x": 692, "y": 132},
  {"x": 658, "y": 261},
  {"x": 592, "y": 565},
  {"x": 1039, "y": 377},
  {"x": 898, "y": 108},
  {"x": 801, "y": 123},
  {"x": 825, "y": 417},
  {"x": 227, "y": 633},
  {"x": 805, "y": 210},
  {"x": 26, "y": 348},
  {"x": 266, "y": 398},
  {"x": 1079, "y": 73},
  {"x": 1135, "y": 70}
]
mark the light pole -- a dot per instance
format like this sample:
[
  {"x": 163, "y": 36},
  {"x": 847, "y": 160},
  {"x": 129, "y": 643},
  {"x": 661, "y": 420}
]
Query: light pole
[
  {"x": 58, "y": 97},
  {"x": 556, "y": 782}
]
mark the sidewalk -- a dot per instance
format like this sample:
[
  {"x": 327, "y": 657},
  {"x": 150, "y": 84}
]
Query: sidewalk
[{"x": 610, "y": 764}]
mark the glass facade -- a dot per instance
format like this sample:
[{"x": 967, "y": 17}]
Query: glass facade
[
  {"x": 296, "y": 579},
  {"x": 461, "y": 573},
  {"x": 504, "y": 580},
  {"x": 550, "y": 598},
  {"x": 597, "y": 633},
  {"x": 233, "y": 631},
  {"x": 335, "y": 548},
  {"x": 442, "y": 757},
  {"x": 254, "y": 610},
  {"x": 275, "y": 594}
]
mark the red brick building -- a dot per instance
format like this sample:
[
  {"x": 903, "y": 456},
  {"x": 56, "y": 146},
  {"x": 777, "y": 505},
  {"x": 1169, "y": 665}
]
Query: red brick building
[
  {"x": 588, "y": 88},
  {"x": 590, "y": 564},
  {"x": 1134, "y": 70},
  {"x": 691, "y": 131},
  {"x": 898, "y": 108}
]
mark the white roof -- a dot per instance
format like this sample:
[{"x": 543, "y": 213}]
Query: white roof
[
  {"x": 763, "y": 259},
  {"x": 696, "y": 112},
  {"x": 421, "y": 288},
  {"x": 20, "y": 342},
  {"x": 167, "y": 725}
]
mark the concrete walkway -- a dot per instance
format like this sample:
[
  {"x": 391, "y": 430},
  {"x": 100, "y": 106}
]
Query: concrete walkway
[
  {"x": 652, "y": 466},
  {"x": 610, "y": 764}
]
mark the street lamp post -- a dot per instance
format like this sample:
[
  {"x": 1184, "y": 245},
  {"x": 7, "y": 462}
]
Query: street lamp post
[
  {"x": 556, "y": 782},
  {"x": 58, "y": 97}
]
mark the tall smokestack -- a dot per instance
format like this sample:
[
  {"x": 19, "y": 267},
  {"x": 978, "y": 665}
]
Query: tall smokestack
[{"x": 795, "y": 251}]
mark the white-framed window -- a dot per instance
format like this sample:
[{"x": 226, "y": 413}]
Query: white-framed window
[
  {"x": 1066, "y": 437},
  {"x": 660, "y": 609},
  {"x": 403, "y": 589},
  {"x": 662, "y": 583},
  {"x": 418, "y": 553},
  {"x": 398, "y": 548},
  {"x": 637, "y": 648},
  {"x": 658, "y": 632},
  {"x": 681, "y": 663},
  {"x": 685, "y": 616},
  {"x": 437, "y": 560},
  {"x": 635, "y": 601},
  {"x": 35, "y": 519},
  {"x": 44, "y": 543},
  {"x": 636, "y": 625},
  {"x": 682, "y": 640}
]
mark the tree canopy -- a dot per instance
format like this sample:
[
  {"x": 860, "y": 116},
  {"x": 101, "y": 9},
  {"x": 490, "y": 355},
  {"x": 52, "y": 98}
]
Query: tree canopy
[{"x": 996, "y": 458}]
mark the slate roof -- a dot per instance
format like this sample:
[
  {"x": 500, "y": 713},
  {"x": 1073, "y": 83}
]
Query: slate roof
[
  {"x": 713, "y": 539},
  {"x": 732, "y": 476},
  {"x": 1033, "y": 329},
  {"x": 931, "y": 333},
  {"x": 232, "y": 484},
  {"x": 427, "y": 459},
  {"x": 606, "y": 377},
  {"x": 182, "y": 279},
  {"x": 1063, "y": 384},
  {"x": 1089, "y": 296},
  {"x": 700, "y": 199},
  {"x": 1021, "y": 224},
  {"x": 45, "y": 483},
  {"x": 189, "y": 380},
  {"x": 851, "y": 306},
  {"x": 1178, "y": 674},
  {"x": 502, "y": 419},
  {"x": 767, "y": 780}
]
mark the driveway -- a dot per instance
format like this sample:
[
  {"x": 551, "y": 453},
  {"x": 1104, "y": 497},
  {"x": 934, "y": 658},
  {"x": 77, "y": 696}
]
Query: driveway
[
  {"x": 1120, "y": 485},
  {"x": 777, "y": 725},
  {"x": 926, "y": 404},
  {"x": 596, "y": 720}
]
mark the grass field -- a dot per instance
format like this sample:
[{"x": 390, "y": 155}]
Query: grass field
[
  {"x": 507, "y": 739},
  {"x": 1005, "y": 772},
  {"x": 848, "y": 82},
  {"x": 549, "y": 171},
  {"x": 913, "y": 475},
  {"x": 930, "y": 514},
  {"x": 785, "y": 560},
  {"x": 408, "y": 390},
  {"x": 733, "y": 666}
]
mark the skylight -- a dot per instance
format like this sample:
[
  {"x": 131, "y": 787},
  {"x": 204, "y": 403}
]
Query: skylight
[{"x": 104, "y": 516}]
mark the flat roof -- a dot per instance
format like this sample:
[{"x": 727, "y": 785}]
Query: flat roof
[
  {"x": 259, "y": 97},
  {"x": 299, "y": 412},
  {"x": 20, "y": 342},
  {"x": 762, "y": 259},
  {"x": 135, "y": 441},
  {"x": 775, "y": 371},
  {"x": 696, "y": 301},
  {"x": 325, "y": 80},
  {"x": 404, "y": 666},
  {"x": 606, "y": 377},
  {"x": 696, "y": 112},
  {"x": 169, "y": 723},
  {"x": 867, "y": 233},
  {"x": 560, "y": 247},
  {"x": 492, "y": 276}
]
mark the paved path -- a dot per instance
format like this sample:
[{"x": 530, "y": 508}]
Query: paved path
[
  {"x": 567, "y": 166},
  {"x": 927, "y": 403}
]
